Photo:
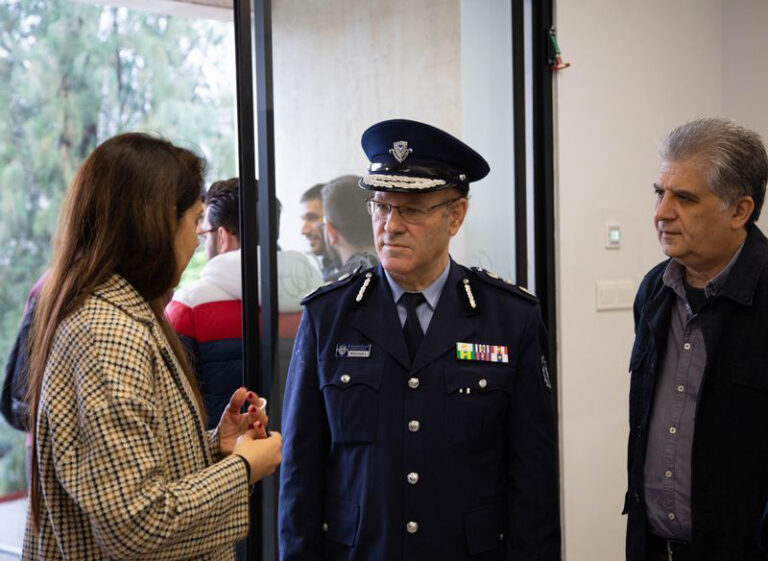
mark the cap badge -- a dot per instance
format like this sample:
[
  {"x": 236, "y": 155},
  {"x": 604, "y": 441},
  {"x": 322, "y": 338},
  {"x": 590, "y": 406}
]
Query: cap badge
[{"x": 400, "y": 150}]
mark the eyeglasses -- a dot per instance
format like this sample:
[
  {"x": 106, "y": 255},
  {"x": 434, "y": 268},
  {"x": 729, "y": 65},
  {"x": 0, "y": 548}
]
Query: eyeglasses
[
  {"x": 201, "y": 234},
  {"x": 409, "y": 214}
]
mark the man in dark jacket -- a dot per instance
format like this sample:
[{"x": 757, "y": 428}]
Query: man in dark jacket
[
  {"x": 698, "y": 444},
  {"x": 418, "y": 414}
]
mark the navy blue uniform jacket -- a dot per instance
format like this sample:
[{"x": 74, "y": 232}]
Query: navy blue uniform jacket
[{"x": 477, "y": 480}]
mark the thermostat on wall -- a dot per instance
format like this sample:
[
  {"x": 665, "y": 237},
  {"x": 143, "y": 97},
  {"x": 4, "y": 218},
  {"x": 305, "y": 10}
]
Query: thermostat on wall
[{"x": 613, "y": 241}]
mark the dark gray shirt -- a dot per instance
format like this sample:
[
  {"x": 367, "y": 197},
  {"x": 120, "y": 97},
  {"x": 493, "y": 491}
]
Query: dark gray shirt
[{"x": 667, "y": 472}]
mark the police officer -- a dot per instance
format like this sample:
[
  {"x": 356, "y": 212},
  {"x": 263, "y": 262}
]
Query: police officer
[{"x": 418, "y": 419}]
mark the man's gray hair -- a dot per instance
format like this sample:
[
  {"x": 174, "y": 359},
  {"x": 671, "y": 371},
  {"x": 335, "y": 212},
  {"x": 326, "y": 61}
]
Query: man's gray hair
[
  {"x": 344, "y": 207},
  {"x": 731, "y": 157}
]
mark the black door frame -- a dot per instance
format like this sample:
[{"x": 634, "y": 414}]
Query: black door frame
[{"x": 258, "y": 221}]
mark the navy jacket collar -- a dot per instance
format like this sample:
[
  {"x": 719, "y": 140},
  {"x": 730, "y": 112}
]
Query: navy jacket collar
[
  {"x": 451, "y": 323},
  {"x": 743, "y": 278},
  {"x": 739, "y": 287}
]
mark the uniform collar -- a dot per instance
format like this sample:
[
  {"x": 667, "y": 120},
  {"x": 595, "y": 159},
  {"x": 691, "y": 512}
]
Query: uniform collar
[
  {"x": 450, "y": 323},
  {"x": 431, "y": 293}
]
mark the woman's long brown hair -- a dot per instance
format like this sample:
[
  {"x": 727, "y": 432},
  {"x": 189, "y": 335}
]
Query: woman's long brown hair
[{"x": 120, "y": 215}]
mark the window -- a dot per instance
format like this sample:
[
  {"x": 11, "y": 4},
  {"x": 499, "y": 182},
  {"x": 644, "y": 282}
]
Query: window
[{"x": 71, "y": 75}]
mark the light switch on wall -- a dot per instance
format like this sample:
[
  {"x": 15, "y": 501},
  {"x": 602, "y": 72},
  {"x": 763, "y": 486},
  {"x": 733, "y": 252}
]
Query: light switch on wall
[{"x": 613, "y": 239}]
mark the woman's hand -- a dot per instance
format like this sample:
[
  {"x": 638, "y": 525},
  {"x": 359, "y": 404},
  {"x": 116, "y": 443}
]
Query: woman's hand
[
  {"x": 234, "y": 424},
  {"x": 262, "y": 454}
]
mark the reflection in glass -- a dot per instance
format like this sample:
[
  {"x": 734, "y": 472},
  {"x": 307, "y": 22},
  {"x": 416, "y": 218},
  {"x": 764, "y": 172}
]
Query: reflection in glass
[
  {"x": 311, "y": 209},
  {"x": 348, "y": 232}
]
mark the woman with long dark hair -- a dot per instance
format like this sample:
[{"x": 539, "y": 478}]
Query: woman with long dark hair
[{"x": 123, "y": 467}]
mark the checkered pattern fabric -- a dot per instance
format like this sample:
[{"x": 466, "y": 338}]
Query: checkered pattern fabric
[{"x": 127, "y": 468}]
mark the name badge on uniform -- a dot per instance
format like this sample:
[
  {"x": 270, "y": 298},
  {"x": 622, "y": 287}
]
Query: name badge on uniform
[
  {"x": 353, "y": 351},
  {"x": 482, "y": 353}
]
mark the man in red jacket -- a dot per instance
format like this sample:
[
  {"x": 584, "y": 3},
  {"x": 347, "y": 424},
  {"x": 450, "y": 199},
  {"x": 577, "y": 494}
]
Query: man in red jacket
[{"x": 207, "y": 313}]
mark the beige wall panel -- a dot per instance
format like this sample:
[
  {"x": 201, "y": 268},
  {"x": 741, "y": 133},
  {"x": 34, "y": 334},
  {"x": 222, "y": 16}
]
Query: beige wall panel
[
  {"x": 638, "y": 69},
  {"x": 745, "y": 67}
]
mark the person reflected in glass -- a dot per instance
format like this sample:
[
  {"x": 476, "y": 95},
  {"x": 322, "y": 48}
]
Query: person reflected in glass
[
  {"x": 207, "y": 313},
  {"x": 312, "y": 229},
  {"x": 122, "y": 466},
  {"x": 348, "y": 232}
]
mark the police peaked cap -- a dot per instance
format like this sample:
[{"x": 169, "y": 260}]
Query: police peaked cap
[{"x": 412, "y": 157}]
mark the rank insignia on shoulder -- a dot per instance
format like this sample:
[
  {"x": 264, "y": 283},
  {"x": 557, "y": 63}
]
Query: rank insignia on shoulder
[
  {"x": 528, "y": 292},
  {"x": 482, "y": 353},
  {"x": 467, "y": 295},
  {"x": 331, "y": 285},
  {"x": 363, "y": 291},
  {"x": 496, "y": 280},
  {"x": 353, "y": 351}
]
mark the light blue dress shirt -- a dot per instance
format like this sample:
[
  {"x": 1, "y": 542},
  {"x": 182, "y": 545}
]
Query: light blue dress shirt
[{"x": 425, "y": 310}]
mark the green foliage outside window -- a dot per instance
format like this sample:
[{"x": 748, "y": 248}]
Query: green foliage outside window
[{"x": 71, "y": 76}]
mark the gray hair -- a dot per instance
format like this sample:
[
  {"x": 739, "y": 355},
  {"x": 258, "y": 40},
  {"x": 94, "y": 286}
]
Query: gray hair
[
  {"x": 731, "y": 157},
  {"x": 344, "y": 207}
]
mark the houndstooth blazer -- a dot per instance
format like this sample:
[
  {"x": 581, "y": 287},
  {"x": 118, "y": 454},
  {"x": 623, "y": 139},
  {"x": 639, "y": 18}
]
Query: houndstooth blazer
[{"x": 126, "y": 466}]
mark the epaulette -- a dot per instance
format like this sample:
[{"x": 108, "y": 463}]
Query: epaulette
[
  {"x": 495, "y": 280},
  {"x": 330, "y": 286}
]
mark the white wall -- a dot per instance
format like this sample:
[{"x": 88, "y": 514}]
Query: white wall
[
  {"x": 342, "y": 65},
  {"x": 487, "y": 126},
  {"x": 745, "y": 67},
  {"x": 638, "y": 69}
]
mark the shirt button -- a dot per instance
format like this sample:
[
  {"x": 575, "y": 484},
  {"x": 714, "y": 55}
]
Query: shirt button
[
  {"x": 413, "y": 383},
  {"x": 413, "y": 478},
  {"x": 412, "y": 527},
  {"x": 482, "y": 383},
  {"x": 687, "y": 346},
  {"x": 681, "y": 388},
  {"x": 672, "y": 430},
  {"x": 414, "y": 426},
  {"x": 671, "y": 516},
  {"x": 325, "y": 527},
  {"x": 345, "y": 378},
  {"x": 667, "y": 473}
]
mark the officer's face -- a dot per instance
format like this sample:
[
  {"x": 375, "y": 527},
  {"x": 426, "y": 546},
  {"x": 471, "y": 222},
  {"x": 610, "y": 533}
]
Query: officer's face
[
  {"x": 695, "y": 227},
  {"x": 312, "y": 225},
  {"x": 417, "y": 252}
]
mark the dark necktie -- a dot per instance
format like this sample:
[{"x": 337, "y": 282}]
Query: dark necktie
[{"x": 412, "y": 326}]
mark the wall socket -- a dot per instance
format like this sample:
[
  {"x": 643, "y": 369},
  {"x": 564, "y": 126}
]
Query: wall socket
[{"x": 615, "y": 294}]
